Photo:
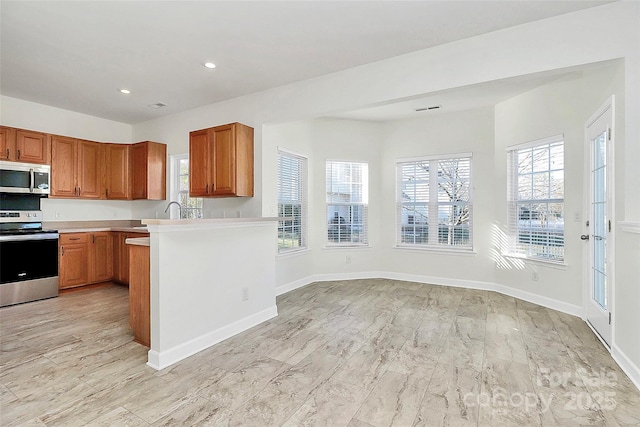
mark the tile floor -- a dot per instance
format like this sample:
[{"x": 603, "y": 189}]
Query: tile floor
[{"x": 356, "y": 353}]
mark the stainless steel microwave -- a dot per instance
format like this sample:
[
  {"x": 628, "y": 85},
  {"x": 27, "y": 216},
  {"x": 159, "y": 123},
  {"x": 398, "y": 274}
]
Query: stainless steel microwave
[{"x": 28, "y": 178}]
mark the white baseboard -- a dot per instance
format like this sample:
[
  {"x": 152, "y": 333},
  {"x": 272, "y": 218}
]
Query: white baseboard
[
  {"x": 296, "y": 284},
  {"x": 160, "y": 360},
  {"x": 574, "y": 310},
  {"x": 629, "y": 368}
]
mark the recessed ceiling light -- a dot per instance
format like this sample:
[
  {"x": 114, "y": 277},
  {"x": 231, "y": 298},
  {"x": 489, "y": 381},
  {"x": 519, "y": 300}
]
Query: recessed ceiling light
[
  {"x": 209, "y": 64},
  {"x": 125, "y": 91}
]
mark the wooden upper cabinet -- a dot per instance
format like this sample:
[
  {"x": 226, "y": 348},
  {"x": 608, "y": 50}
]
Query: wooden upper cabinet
[
  {"x": 25, "y": 146},
  {"x": 64, "y": 158},
  {"x": 76, "y": 168},
  {"x": 117, "y": 171},
  {"x": 200, "y": 145},
  {"x": 221, "y": 161},
  {"x": 32, "y": 147},
  {"x": 7, "y": 143},
  {"x": 149, "y": 171}
]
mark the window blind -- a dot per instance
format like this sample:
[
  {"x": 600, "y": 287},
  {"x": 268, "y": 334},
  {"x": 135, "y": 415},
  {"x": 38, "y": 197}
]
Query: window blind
[
  {"x": 433, "y": 200},
  {"x": 292, "y": 202},
  {"x": 347, "y": 203},
  {"x": 535, "y": 178}
]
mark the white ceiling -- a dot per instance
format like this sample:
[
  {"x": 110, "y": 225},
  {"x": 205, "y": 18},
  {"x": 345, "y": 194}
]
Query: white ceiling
[{"x": 77, "y": 54}]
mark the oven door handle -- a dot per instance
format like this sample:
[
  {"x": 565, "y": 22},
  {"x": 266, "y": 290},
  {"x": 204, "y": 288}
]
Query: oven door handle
[{"x": 36, "y": 236}]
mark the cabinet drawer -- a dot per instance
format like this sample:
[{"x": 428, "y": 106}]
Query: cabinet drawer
[{"x": 67, "y": 238}]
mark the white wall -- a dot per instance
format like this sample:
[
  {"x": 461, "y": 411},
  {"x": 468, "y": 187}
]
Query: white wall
[
  {"x": 321, "y": 140},
  {"x": 442, "y": 134}
]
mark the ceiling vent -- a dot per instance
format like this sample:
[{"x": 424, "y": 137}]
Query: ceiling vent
[
  {"x": 433, "y": 107},
  {"x": 158, "y": 105}
]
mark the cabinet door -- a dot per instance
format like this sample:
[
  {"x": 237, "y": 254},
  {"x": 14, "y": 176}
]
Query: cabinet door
[
  {"x": 32, "y": 147},
  {"x": 199, "y": 163},
  {"x": 124, "y": 260},
  {"x": 139, "y": 294},
  {"x": 63, "y": 167},
  {"x": 224, "y": 161},
  {"x": 74, "y": 261},
  {"x": 7, "y": 143},
  {"x": 90, "y": 167},
  {"x": 120, "y": 258},
  {"x": 115, "y": 235},
  {"x": 117, "y": 174},
  {"x": 139, "y": 171},
  {"x": 100, "y": 257}
]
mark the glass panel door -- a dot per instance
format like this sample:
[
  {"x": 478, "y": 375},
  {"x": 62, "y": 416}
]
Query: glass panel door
[{"x": 599, "y": 215}]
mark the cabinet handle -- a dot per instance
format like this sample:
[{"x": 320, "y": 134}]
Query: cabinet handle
[
  {"x": 93, "y": 238},
  {"x": 7, "y": 153},
  {"x": 62, "y": 251},
  {"x": 18, "y": 154},
  {"x": 207, "y": 189},
  {"x": 74, "y": 238},
  {"x": 106, "y": 192},
  {"x": 78, "y": 191}
]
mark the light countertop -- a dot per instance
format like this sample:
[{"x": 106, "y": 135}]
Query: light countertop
[
  {"x": 138, "y": 241},
  {"x": 206, "y": 221},
  {"x": 97, "y": 229}
]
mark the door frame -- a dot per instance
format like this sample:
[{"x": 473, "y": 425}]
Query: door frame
[{"x": 611, "y": 190}]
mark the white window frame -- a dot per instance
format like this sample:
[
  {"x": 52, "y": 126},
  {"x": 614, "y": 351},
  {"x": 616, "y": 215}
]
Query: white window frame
[
  {"x": 341, "y": 224},
  {"x": 182, "y": 212},
  {"x": 517, "y": 184},
  {"x": 429, "y": 234},
  {"x": 285, "y": 243}
]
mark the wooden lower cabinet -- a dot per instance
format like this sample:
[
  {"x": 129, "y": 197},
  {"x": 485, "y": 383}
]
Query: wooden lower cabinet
[
  {"x": 121, "y": 255},
  {"x": 100, "y": 257},
  {"x": 87, "y": 258},
  {"x": 73, "y": 260},
  {"x": 139, "y": 294}
]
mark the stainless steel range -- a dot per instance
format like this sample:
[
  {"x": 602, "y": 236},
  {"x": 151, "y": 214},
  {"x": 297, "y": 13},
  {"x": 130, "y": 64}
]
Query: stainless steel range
[{"x": 28, "y": 253}]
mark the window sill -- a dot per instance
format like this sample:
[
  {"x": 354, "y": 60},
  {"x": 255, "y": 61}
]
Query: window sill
[
  {"x": 347, "y": 247},
  {"x": 560, "y": 265},
  {"x": 443, "y": 251},
  {"x": 293, "y": 253}
]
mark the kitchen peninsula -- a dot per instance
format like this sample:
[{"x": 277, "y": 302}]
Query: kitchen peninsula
[{"x": 210, "y": 279}]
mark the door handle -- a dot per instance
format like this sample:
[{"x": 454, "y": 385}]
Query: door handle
[{"x": 584, "y": 237}]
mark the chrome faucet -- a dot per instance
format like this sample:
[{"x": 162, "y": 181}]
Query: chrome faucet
[{"x": 179, "y": 207}]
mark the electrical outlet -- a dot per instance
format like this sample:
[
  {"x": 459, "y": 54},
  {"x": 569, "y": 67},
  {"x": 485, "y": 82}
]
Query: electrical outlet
[
  {"x": 534, "y": 276},
  {"x": 245, "y": 294},
  {"x": 348, "y": 259}
]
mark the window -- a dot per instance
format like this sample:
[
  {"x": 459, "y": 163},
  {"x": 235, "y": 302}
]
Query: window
[
  {"x": 434, "y": 202},
  {"x": 190, "y": 207},
  {"x": 292, "y": 202},
  {"x": 536, "y": 199},
  {"x": 347, "y": 200}
]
